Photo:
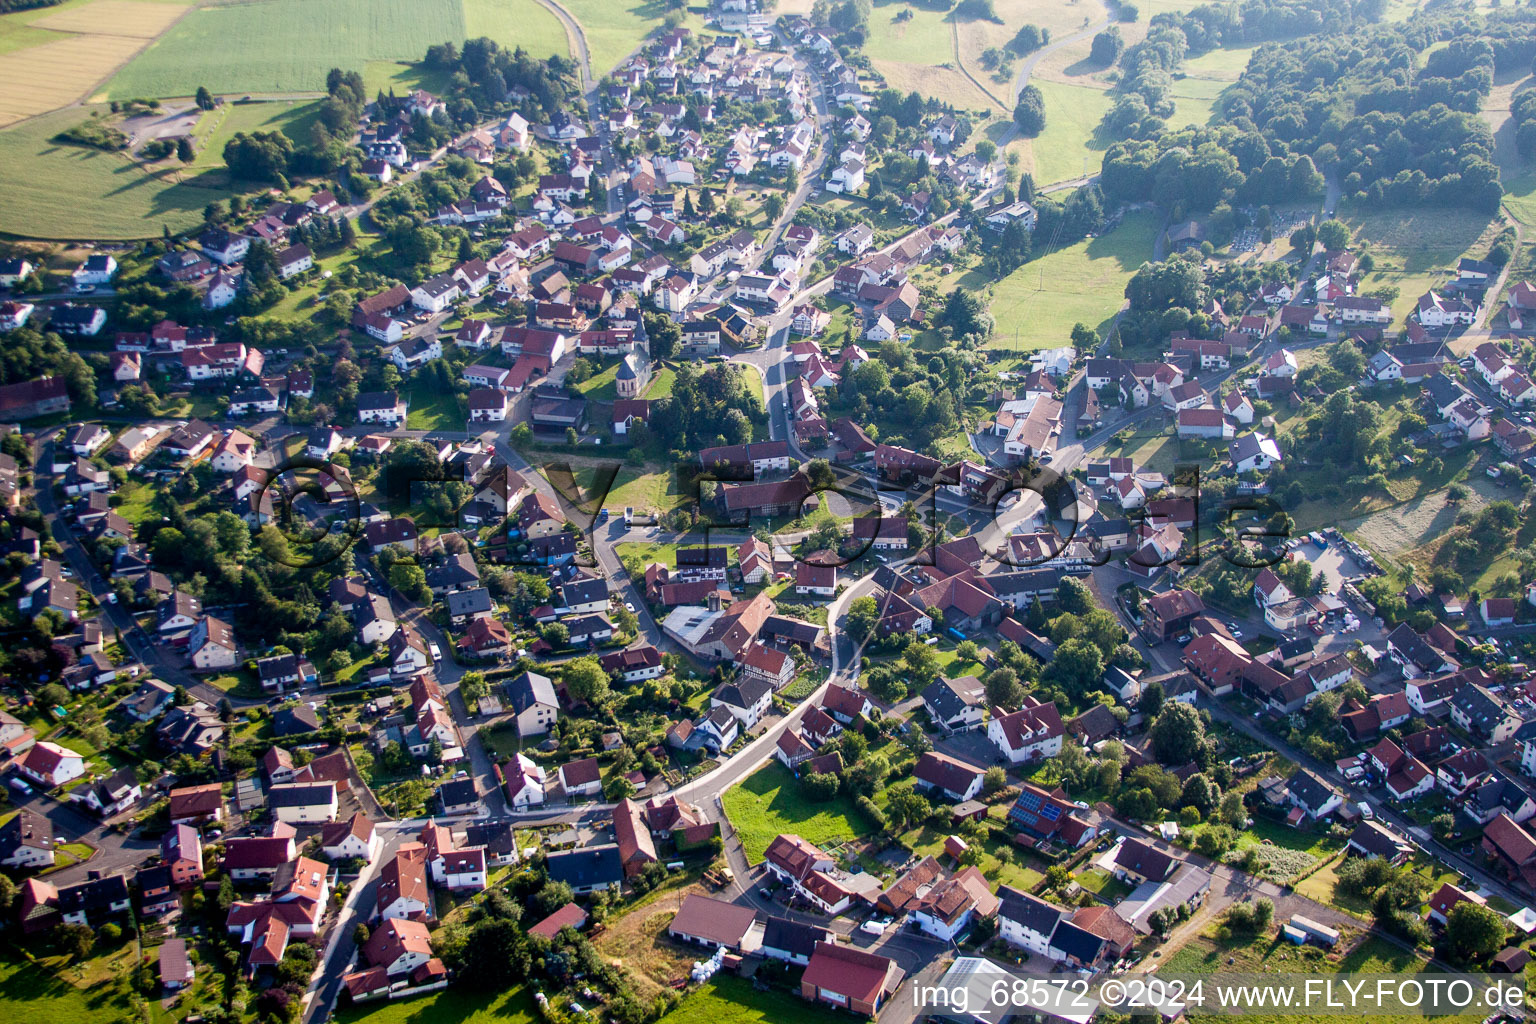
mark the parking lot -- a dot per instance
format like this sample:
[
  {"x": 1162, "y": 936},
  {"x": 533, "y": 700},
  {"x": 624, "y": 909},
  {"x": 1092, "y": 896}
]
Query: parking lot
[{"x": 1332, "y": 562}]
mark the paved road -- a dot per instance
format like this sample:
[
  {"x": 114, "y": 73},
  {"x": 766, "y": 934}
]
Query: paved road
[{"x": 159, "y": 660}]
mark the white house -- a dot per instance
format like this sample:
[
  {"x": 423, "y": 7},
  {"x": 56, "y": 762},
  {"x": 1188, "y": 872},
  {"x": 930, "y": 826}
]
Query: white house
[{"x": 1031, "y": 733}]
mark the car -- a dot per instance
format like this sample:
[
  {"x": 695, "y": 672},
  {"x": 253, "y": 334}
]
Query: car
[
  {"x": 1237, "y": 634},
  {"x": 1045, "y": 460},
  {"x": 765, "y": 892},
  {"x": 437, "y": 652},
  {"x": 629, "y": 606},
  {"x": 85, "y": 289},
  {"x": 1182, "y": 640}
]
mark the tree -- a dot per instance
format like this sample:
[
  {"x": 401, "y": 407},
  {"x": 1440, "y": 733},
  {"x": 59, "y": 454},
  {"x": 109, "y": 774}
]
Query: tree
[
  {"x": 922, "y": 663},
  {"x": 1077, "y": 667},
  {"x": 1304, "y": 238},
  {"x": 586, "y": 681},
  {"x": 1151, "y": 701},
  {"x": 819, "y": 786},
  {"x": 76, "y": 940},
  {"x": 473, "y": 685},
  {"x": 1029, "y": 114},
  {"x": 1474, "y": 931},
  {"x": 1178, "y": 734},
  {"x": 1333, "y": 234},
  {"x": 1073, "y": 596},
  {"x": 7, "y": 893},
  {"x": 184, "y": 150},
  {"x": 204, "y": 98},
  {"x": 1107, "y": 46},
  {"x": 1232, "y": 810},
  {"x": 1003, "y": 688},
  {"x": 1201, "y": 793},
  {"x": 862, "y": 618},
  {"x": 994, "y": 779},
  {"x": 409, "y": 579}
]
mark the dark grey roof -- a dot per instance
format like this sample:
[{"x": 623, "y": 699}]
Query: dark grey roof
[
  {"x": 792, "y": 937},
  {"x": 743, "y": 694},
  {"x": 1076, "y": 942},
  {"x": 591, "y": 865},
  {"x": 457, "y": 792},
  {"x": 1029, "y": 911},
  {"x": 469, "y": 602},
  {"x": 302, "y": 795},
  {"x": 1310, "y": 790},
  {"x": 529, "y": 689}
]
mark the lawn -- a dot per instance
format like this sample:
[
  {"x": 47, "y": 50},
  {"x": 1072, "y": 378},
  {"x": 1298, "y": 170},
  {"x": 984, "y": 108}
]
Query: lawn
[
  {"x": 253, "y": 48},
  {"x": 55, "y": 992},
  {"x": 1321, "y": 884},
  {"x": 68, "y": 192},
  {"x": 1037, "y": 305},
  {"x": 460, "y": 1004},
  {"x": 663, "y": 379},
  {"x": 769, "y": 802},
  {"x": 645, "y": 489},
  {"x": 291, "y": 117},
  {"x": 602, "y": 386},
  {"x": 1154, "y": 449},
  {"x": 138, "y": 502},
  {"x": 729, "y": 1000},
  {"x": 1002, "y": 862},
  {"x": 431, "y": 409}
]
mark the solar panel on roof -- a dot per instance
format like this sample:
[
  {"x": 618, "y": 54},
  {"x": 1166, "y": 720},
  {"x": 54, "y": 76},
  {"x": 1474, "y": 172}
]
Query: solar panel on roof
[{"x": 1050, "y": 812}]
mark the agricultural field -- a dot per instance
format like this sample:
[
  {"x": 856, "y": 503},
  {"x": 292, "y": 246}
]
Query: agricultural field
[
  {"x": 1037, "y": 305},
  {"x": 65, "y": 192},
  {"x": 247, "y": 48},
  {"x": 53, "y": 56},
  {"x": 524, "y": 23},
  {"x": 769, "y": 801}
]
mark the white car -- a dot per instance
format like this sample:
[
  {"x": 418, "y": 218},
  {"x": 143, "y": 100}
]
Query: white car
[
  {"x": 629, "y": 606},
  {"x": 437, "y": 652}
]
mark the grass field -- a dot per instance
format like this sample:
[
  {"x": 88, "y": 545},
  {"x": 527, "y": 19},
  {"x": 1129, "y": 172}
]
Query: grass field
[
  {"x": 252, "y": 47},
  {"x": 728, "y": 1000},
  {"x": 51, "y": 996},
  {"x": 1069, "y": 146},
  {"x": 768, "y": 802},
  {"x": 1206, "y": 955},
  {"x": 1036, "y": 306},
  {"x": 216, "y": 128},
  {"x": 615, "y": 27},
  {"x": 1413, "y": 248},
  {"x": 431, "y": 409},
  {"x": 53, "y": 56},
  {"x": 1321, "y": 884},
  {"x": 69, "y": 192},
  {"x": 459, "y": 1004}
]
